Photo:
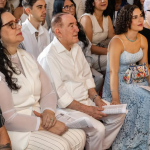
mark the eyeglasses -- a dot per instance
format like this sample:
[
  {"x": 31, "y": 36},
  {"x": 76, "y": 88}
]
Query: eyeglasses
[
  {"x": 147, "y": 10},
  {"x": 13, "y": 24},
  {"x": 68, "y": 8}
]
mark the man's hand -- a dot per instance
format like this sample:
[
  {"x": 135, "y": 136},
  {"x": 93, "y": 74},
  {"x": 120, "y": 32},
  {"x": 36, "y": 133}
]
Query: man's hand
[
  {"x": 100, "y": 103},
  {"x": 95, "y": 112},
  {"x": 48, "y": 118}
]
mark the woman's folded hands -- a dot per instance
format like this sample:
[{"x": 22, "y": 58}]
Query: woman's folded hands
[{"x": 49, "y": 122}]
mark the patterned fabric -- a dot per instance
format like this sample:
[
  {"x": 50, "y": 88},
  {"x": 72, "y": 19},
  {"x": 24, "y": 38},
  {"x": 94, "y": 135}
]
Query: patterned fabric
[
  {"x": 134, "y": 133},
  {"x": 2, "y": 120},
  {"x": 136, "y": 74}
]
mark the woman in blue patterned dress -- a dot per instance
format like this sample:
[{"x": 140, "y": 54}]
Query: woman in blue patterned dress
[{"x": 128, "y": 47}]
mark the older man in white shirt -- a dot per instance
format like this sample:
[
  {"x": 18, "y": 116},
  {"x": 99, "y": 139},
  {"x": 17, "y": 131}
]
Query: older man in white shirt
[
  {"x": 36, "y": 37},
  {"x": 67, "y": 67}
]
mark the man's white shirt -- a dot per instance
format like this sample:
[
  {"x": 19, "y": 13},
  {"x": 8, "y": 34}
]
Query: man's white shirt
[
  {"x": 31, "y": 44},
  {"x": 69, "y": 72}
]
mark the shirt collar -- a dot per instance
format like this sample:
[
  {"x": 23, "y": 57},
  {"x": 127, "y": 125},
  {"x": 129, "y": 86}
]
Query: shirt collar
[
  {"x": 59, "y": 47},
  {"x": 33, "y": 29}
]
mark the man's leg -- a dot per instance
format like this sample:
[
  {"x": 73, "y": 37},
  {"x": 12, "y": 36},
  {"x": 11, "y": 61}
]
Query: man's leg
[
  {"x": 112, "y": 124},
  {"x": 94, "y": 136}
]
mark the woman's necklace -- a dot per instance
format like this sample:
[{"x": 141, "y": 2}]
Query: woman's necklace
[
  {"x": 129, "y": 39},
  {"x": 14, "y": 55}
]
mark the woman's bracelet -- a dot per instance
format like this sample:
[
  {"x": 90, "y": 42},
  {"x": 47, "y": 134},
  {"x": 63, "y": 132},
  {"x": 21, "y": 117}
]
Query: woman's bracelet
[{"x": 114, "y": 91}]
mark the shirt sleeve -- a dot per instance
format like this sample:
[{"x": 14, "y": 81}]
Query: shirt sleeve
[
  {"x": 87, "y": 72},
  {"x": 48, "y": 96},
  {"x": 52, "y": 70},
  {"x": 13, "y": 120}
]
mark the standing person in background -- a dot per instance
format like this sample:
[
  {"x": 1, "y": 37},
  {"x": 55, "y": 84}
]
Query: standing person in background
[
  {"x": 98, "y": 27},
  {"x": 36, "y": 37},
  {"x": 116, "y": 6},
  {"x": 146, "y": 29},
  {"x": 5, "y": 143},
  {"x": 139, "y": 3}
]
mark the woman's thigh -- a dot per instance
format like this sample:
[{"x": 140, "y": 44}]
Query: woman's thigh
[{"x": 73, "y": 139}]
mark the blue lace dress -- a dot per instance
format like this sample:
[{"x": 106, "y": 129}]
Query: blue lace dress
[{"x": 134, "y": 133}]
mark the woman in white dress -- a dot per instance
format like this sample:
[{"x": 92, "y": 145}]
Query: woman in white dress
[
  {"x": 25, "y": 88},
  {"x": 98, "y": 27}
]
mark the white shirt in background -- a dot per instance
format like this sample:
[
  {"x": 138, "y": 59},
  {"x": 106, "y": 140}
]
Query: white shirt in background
[
  {"x": 31, "y": 44},
  {"x": 15, "y": 3},
  {"x": 114, "y": 19},
  {"x": 69, "y": 72},
  {"x": 130, "y": 2}
]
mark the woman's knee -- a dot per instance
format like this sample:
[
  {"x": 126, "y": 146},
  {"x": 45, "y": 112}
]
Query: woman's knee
[{"x": 76, "y": 138}]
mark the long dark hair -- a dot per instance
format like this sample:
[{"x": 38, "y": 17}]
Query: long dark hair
[
  {"x": 20, "y": 3},
  {"x": 138, "y": 3},
  {"x": 124, "y": 19},
  {"x": 112, "y": 7},
  {"x": 5, "y": 63},
  {"x": 57, "y": 8},
  {"x": 7, "y": 7}
]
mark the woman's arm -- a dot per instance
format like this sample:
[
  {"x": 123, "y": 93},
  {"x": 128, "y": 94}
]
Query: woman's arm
[
  {"x": 87, "y": 25},
  {"x": 5, "y": 143},
  {"x": 48, "y": 96},
  {"x": 144, "y": 46},
  {"x": 115, "y": 50},
  {"x": 4, "y": 138},
  {"x": 18, "y": 12},
  {"x": 110, "y": 28},
  {"x": 48, "y": 100},
  {"x": 13, "y": 120}
]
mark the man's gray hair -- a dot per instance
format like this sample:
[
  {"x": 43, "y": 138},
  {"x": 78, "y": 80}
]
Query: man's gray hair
[
  {"x": 146, "y": 5},
  {"x": 57, "y": 21}
]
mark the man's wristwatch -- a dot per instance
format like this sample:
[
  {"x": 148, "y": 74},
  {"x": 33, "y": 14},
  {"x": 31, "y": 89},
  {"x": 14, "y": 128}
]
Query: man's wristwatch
[{"x": 94, "y": 97}]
